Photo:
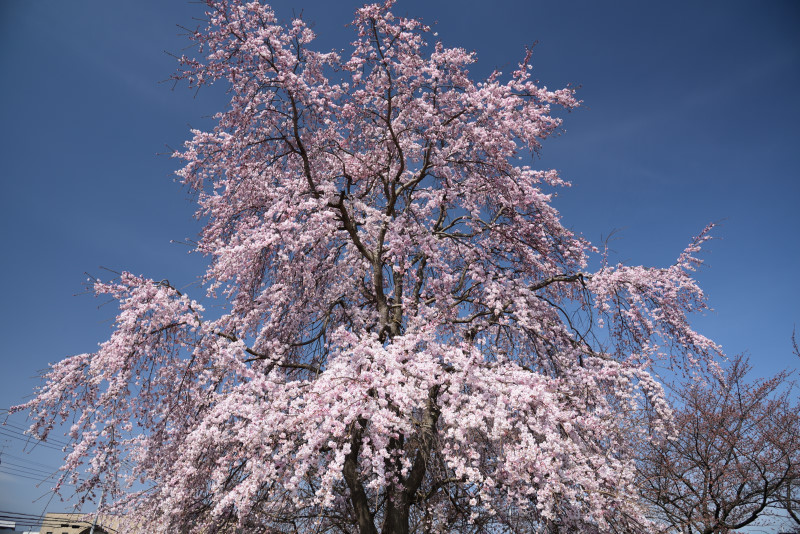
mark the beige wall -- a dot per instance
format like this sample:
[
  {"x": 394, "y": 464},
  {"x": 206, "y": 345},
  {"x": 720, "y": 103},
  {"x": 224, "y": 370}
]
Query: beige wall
[{"x": 77, "y": 524}]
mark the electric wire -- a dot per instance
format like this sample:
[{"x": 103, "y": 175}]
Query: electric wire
[
  {"x": 35, "y": 471},
  {"x": 21, "y": 465},
  {"x": 51, "y": 443},
  {"x": 43, "y": 521},
  {"x": 26, "y": 460}
]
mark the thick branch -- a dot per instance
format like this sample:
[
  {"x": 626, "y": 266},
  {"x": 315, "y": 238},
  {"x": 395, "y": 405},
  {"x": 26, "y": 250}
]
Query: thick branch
[
  {"x": 350, "y": 226},
  {"x": 560, "y": 278},
  {"x": 358, "y": 497},
  {"x": 261, "y": 356},
  {"x": 427, "y": 437}
]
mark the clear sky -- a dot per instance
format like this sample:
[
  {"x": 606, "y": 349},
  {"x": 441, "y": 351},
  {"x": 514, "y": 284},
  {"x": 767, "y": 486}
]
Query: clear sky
[{"x": 690, "y": 116}]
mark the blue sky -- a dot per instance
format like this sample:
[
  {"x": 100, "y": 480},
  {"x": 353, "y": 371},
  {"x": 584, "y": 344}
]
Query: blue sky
[{"x": 690, "y": 116}]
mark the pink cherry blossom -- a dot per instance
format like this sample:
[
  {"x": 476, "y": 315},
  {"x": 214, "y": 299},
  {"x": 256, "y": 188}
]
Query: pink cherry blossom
[{"x": 405, "y": 335}]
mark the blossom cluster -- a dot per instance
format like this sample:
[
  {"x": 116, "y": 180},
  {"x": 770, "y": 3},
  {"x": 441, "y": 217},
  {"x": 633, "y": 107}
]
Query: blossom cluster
[{"x": 408, "y": 333}]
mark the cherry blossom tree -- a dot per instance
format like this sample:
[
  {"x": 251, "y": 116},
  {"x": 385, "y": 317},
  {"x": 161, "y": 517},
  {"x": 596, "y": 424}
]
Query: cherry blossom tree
[
  {"x": 734, "y": 459},
  {"x": 791, "y": 496},
  {"x": 791, "y": 502},
  {"x": 404, "y": 337}
]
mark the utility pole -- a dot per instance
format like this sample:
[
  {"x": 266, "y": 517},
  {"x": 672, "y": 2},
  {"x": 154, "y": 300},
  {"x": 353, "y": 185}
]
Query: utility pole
[{"x": 97, "y": 515}]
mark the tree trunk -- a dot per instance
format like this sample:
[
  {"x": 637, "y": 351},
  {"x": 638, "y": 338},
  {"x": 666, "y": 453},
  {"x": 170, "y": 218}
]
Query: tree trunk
[
  {"x": 358, "y": 497},
  {"x": 396, "y": 520}
]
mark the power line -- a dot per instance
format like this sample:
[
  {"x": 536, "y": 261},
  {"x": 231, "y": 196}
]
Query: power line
[
  {"x": 24, "y": 459},
  {"x": 15, "y": 465},
  {"x": 30, "y": 440},
  {"x": 35, "y": 474},
  {"x": 32, "y": 520},
  {"x": 53, "y": 444},
  {"x": 20, "y": 475},
  {"x": 43, "y": 521},
  {"x": 22, "y": 430}
]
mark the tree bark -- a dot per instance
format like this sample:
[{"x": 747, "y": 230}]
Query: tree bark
[
  {"x": 396, "y": 520},
  {"x": 398, "y": 504},
  {"x": 358, "y": 497}
]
